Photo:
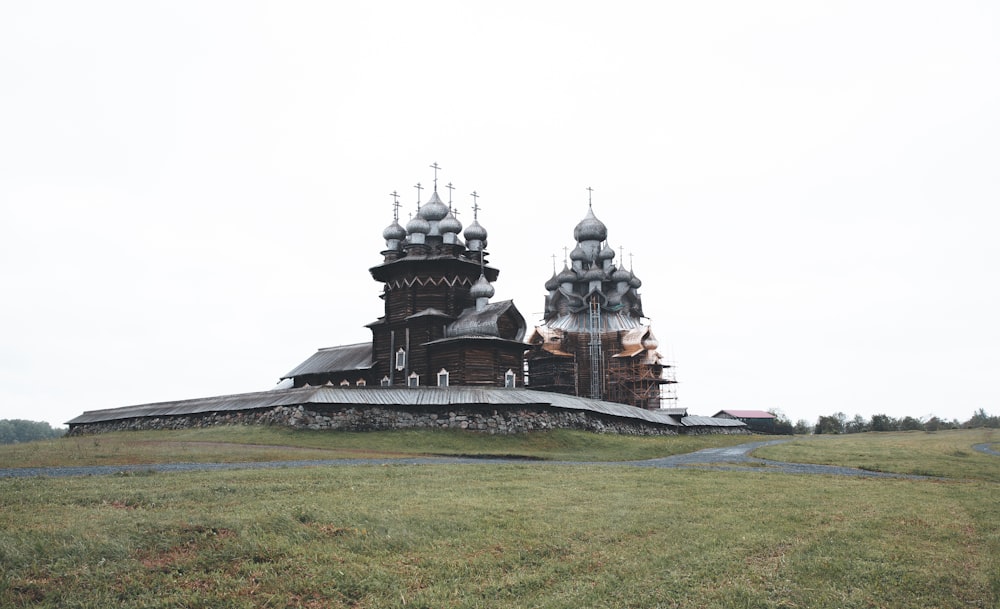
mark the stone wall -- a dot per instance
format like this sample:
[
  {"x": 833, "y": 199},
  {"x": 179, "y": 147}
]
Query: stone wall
[{"x": 492, "y": 420}]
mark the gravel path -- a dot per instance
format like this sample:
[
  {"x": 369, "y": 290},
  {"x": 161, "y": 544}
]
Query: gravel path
[
  {"x": 987, "y": 448},
  {"x": 729, "y": 458}
]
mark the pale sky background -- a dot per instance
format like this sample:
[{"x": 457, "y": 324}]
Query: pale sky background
[{"x": 191, "y": 193}]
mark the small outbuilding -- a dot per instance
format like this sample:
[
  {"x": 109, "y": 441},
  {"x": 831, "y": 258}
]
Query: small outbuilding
[{"x": 756, "y": 420}]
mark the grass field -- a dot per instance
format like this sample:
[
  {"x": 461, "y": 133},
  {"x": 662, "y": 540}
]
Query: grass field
[
  {"x": 258, "y": 443},
  {"x": 513, "y": 535}
]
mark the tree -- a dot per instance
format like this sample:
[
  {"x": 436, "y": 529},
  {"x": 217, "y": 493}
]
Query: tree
[
  {"x": 981, "y": 419},
  {"x": 803, "y": 428},
  {"x": 856, "y": 425},
  {"x": 882, "y": 422},
  {"x": 15, "y": 431},
  {"x": 831, "y": 424},
  {"x": 782, "y": 424},
  {"x": 910, "y": 424}
]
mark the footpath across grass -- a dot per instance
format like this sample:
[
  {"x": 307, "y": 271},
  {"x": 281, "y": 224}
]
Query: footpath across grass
[
  {"x": 946, "y": 453},
  {"x": 512, "y": 535}
]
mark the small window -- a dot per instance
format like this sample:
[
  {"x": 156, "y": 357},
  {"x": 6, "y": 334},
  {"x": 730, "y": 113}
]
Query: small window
[
  {"x": 400, "y": 359},
  {"x": 443, "y": 378},
  {"x": 361, "y": 383},
  {"x": 345, "y": 383},
  {"x": 413, "y": 381},
  {"x": 385, "y": 381},
  {"x": 509, "y": 379}
]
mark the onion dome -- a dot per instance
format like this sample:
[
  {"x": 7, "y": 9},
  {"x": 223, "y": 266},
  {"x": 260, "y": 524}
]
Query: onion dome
[
  {"x": 475, "y": 232},
  {"x": 578, "y": 254},
  {"x": 634, "y": 281},
  {"x": 553, "y": 283},
  {"x": 394, "y": 232},
  {"x": 590, "y": 228},
  {"x": 481, "y": 289},
  {"x": 595, "y": 273},
  {"x": 606, "y": 254},
  {"x": 433, "y": 210},
  {"x": 450, "y": 224},
  {"x": 650, "y": 343},
  {"x": 418, "y": 224},
  {"x": 620, "y": 275},
  {"x": 566, "y": 275}
]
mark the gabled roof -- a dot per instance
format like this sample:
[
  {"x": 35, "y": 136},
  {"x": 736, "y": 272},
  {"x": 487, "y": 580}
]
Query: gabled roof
[
  {"x": 472, "y": 322},
  {"x": 341, "y": 358},
  {"x": 746, "y": 414}
]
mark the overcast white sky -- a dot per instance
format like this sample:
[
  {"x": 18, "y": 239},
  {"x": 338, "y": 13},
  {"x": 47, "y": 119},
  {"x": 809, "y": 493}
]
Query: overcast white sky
[{"x": 191, "y": 193}]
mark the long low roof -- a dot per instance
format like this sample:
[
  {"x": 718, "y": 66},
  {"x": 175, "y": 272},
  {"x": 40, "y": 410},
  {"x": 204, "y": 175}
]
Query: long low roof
[{"x": 394, "y": 396}]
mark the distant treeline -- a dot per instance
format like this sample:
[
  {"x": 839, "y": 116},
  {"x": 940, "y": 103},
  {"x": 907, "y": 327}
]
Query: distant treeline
[
  {"x": 15, "y": 431},
  {"x": 839, "y": 423}
]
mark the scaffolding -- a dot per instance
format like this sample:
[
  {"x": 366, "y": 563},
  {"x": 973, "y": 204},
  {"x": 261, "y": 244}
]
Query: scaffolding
[
  {"x": 596, "y": 350},
  {"x": 637, "y": 383}
]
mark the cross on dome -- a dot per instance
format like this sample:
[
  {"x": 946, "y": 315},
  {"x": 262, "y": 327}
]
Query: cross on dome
[
  {"x": 435, "y": 167},
  {"x": 395, "y": 205}
]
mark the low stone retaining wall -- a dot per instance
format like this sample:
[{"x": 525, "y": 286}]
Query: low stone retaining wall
[{"x": 491, "y": 420}]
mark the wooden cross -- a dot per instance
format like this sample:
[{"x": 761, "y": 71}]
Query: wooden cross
[
  {"x": 419, "y": 188},
  {"x": 435, "y": 168},
  {"x": 450, "y": 190},
  {"x": 590, "y": 196},
  {"x": 553, "y": 264},
  {"x": 565, "y": 255},
  {"x": 395, "y": 205},
  {"x": 475, "y": 205}
]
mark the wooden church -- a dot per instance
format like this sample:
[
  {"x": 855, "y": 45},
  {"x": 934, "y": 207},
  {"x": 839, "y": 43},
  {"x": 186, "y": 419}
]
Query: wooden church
[
  {"x": 595, "y": 341},
  {"x": 439, "y": 327},
  {"x": 443, "y": 355}
]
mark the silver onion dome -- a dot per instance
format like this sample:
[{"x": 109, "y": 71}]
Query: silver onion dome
[
  {"x": 590, "y": 228},
  {"x": 594, "y": 273},
  {"x": 418, "y": 224},
  {"x": 394, "y": 231},
  {"x": 450, "y": 224},
  {"x": 433, "y": 210},
  {"x": 621, "y": 274},
  {"x": 475, "y": 232},
  {"x": 482, "y": 289}
]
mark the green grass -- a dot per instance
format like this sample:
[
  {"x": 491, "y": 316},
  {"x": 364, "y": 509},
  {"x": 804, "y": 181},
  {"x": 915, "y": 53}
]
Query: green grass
[
  {"x": 530, "y": 535},
  {"x": 259, "y": 443},
  {"x": 947, "y": 453},
  {"x": 513, "y": 535}
]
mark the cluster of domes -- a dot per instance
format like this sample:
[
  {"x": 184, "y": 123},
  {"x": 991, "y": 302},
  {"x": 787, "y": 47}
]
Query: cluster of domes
[
  {"x": 435, "y": 223},
  {"x": 436, "y": 231},
  {"x": 591, "y": 273}
]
